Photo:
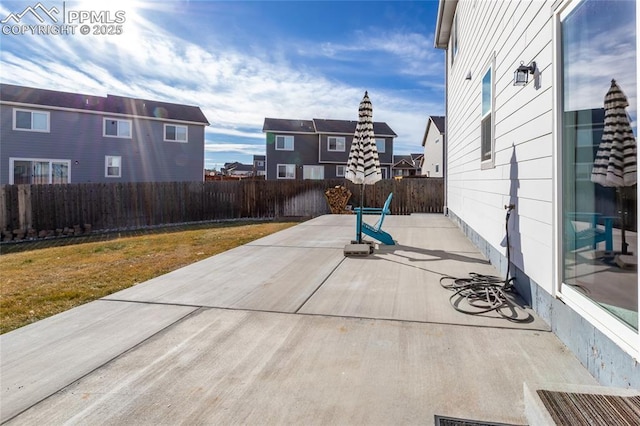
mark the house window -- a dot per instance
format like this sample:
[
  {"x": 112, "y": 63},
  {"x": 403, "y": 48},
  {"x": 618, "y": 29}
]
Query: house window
[
  {"x": 595, "y": 216},
  {"x": 259, "y": 163},
  {"x": 336, "y": 143},
  {"x": 313, "y": 172},
  {"x": 284, "y": 143},
  {"x": 381, "y": 145},
  {"x": 115, "y": 128},
  {"x": 454, "y": 39},
  {"x": 112, "y": 166},
  {"x": 28, "y": 120},
  {"x": 286, "y": 171},
  {"x": 175, "y": 133},
  {"x": 340, "y": 170},
  {"x": 486, "y": 123},
  {"x": 38, "y": 171}
]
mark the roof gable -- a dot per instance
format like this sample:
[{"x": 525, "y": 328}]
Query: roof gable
[{"x": 109, "y": 104}]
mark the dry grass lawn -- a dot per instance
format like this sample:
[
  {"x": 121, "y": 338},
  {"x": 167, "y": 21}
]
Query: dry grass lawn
[{"x": 40, "y": 283}]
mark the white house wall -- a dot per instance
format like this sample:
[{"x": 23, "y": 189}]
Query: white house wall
[
  {"x": 512, "y": 32},
  {"x": 433, "y": 152},
  {"x": 525, "y": 163}
]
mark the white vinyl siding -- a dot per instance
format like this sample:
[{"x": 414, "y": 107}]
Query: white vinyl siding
[
  {"x": 116, "y": 128},
  {"x": 30, "y": 120},
  {"x": 284, "y": 143},
  {"x": 176, "y": 133},
  {"x": 286, "y": 171},
  {"x": 522, "y": 132}
]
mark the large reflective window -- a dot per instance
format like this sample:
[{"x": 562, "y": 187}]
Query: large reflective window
[{"x": 599, "y": 215}]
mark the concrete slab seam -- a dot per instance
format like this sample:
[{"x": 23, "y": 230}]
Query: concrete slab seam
[
  {"x": 107, "y": 362},
  {"x": 320, "y": 285}
]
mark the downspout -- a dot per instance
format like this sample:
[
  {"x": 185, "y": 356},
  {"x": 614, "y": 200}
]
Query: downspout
[{"x": 445, "y": 139}]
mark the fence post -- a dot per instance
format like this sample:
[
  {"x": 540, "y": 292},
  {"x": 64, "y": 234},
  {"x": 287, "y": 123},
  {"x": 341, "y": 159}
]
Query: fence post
[
  {"x": 24, "y": 206},
  {"x": 3, "y": 208}
]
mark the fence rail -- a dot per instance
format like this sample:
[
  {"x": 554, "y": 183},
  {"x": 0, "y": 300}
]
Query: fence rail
[{"x": 137, "y": 205}]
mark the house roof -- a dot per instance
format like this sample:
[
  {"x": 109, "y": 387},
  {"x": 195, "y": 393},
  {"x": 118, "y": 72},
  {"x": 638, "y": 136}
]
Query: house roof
[
  {"x": 238, "y": 167},
  {"x": 346, "y": 127},
  {"x": 319, "y": 125},
  {"x": 438, "y": 120},
  {"x": 439, "y": 123},
  {"x": 446, "y": 12},
  {"x": 288, "y": 126},
  {"x": 110, "y": 104},
  {"x": 406, "y": 161}
]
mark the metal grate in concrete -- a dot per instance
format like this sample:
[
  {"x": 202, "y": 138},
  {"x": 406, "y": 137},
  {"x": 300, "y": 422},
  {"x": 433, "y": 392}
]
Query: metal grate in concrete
[{"x": 451, "y": 421}]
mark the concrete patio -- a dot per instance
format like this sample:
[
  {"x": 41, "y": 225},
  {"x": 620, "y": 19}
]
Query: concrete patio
[{"x": 287, "y": 330}]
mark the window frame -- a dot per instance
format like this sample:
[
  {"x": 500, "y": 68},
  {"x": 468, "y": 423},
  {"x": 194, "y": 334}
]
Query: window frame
[
  {"x": 286, "y": 138},
  {"x": 315, "y": 167},
  {"x": 186, "y": 133},
  {"x": 344, "y": 170},
  {"x": 288, "y": 175},
  {"x": 106, "y": 166},
  {"x": 488, "y": 163},
  {"x": 605, "y": 322},
  {"x": 337, "y": 139},
  {"x": 454, "y": 38},
  {"x": 383, "y": 142},
  {"x": 51, "y": 161},
  {"x": 118, "y": 135},
  {"x": 47, "y": 114}
]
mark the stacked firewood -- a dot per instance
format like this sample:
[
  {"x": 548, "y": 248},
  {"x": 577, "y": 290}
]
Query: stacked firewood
[{"x": 338, "y": 197}]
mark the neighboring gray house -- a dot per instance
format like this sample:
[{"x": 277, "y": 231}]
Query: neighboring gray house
[
  {"x": 259, "y": 165},
  {"x": 48, "y": 136},
  {"x": 433, "y": 143},
  {"x": 406, "y": 165},
  {"x": 237, "y": 169},
  {"x": 318, "y": 148}
]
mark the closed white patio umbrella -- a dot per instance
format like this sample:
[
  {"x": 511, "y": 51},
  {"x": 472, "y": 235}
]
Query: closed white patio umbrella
[
  {"x": 363, "y": 165},
  {"x": 615, "y": 164}
]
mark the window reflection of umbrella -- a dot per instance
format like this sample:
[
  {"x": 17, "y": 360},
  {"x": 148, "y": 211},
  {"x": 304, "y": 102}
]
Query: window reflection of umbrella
[
  {"x": 615, "y": 163},
  {"x": 363, "y": 165}
]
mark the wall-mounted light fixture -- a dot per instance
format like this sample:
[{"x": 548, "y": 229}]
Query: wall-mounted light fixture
[{"x": 521, "y": 75}]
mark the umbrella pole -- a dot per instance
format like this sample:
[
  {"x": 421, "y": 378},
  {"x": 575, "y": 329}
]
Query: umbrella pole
[
  {"x": 361, "y": 213},
  {"x": 623, "y": 216}
]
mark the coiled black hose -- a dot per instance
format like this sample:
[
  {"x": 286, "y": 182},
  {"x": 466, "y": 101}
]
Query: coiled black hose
[{"x": 479, "y": 294}]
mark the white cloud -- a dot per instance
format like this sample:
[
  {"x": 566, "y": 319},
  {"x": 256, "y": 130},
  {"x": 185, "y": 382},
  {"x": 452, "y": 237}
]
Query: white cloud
[
  {"x": 235, "y": 90},
  {"x": 234, "y": 132},
  {"x": 241, "y": 148}
]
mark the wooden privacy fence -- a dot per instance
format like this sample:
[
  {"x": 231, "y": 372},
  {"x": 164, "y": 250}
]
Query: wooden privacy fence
[{"x": 136, "y": 205}]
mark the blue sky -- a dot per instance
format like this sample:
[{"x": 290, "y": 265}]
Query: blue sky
[{"x": 242, "y": 61}]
